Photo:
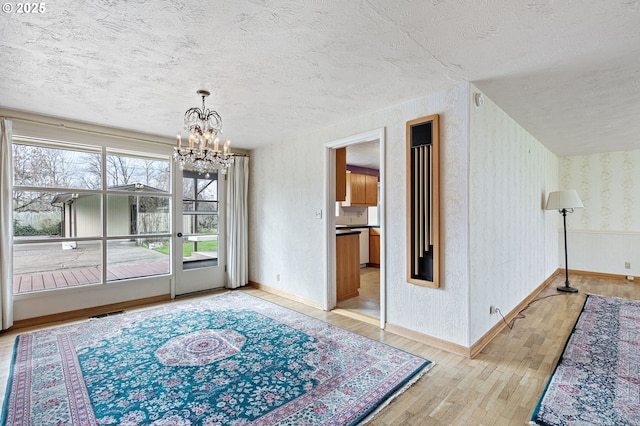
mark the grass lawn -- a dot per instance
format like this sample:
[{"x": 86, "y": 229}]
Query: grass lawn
[{"x": 187, "y": 247}]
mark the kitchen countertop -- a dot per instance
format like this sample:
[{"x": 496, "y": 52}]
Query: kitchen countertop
[{"x": 342, "y": 232}]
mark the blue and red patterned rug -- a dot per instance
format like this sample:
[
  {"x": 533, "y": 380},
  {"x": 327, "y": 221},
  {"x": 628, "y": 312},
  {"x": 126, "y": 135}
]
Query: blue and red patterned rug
[
  {"x": 597, "y": 379},
  {"x": 227, "y": 359}
]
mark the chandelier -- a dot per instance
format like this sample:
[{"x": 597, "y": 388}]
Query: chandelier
[{"x": 202, "y": 152}]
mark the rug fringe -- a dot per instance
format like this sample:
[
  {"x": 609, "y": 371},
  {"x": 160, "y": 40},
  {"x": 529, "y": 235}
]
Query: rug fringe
[{"x": 397, "y": 393}]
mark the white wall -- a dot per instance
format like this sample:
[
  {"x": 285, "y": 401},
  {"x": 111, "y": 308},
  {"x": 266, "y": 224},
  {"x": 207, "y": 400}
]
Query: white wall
[
  {"x": 286, "y": 239},
  {"x": 498, "y": 242},
  {"x": 606, "y": 233},
  {"x": 513, "y": 240}
]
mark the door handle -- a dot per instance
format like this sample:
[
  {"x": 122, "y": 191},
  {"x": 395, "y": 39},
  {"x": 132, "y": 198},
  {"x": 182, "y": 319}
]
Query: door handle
[{"x": 179, "y": 234}]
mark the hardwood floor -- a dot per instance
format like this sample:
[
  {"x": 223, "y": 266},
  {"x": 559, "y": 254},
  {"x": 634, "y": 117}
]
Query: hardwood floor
[{"x": 501, "y": 386}]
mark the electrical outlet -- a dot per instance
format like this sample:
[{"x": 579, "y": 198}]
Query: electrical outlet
[
  {"x": 277, "y": 277},
  {"x": 627, "y": 265},
  {"x": 492, "y": 310}
]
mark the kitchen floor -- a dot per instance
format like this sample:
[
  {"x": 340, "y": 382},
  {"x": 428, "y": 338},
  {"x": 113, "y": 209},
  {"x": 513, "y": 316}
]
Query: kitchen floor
[{"x": 368, "y": 301}]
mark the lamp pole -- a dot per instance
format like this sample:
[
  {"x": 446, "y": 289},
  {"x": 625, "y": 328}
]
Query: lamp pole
[{"x": 566, "y": 287}]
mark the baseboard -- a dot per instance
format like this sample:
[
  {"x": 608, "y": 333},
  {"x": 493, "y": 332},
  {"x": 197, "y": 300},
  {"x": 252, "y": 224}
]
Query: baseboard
[
  {"x": 598, "y": 274},
  {"x": 467, "y": 352},
  {"x": 428, "y": 340},
  {"x": 496, "y": 329},
  {"x": 401, "y": 331},
  {"x": 286, "y": 295},
  {"x": 88, "y": 312}
]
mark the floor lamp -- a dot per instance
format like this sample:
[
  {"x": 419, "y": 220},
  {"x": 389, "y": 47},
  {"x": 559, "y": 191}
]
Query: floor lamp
[{"x": 565, "y": 202}]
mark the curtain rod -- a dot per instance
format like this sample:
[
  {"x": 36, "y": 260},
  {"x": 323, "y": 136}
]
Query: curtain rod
[
  {"x": 79, "y": 129},
  {"x": 95, "y": 132}
]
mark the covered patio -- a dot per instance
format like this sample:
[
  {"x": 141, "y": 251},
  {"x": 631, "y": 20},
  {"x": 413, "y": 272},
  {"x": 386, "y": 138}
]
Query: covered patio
[
  {"x": 49, "y": 266},
  {"x": 27, "y": 283}
]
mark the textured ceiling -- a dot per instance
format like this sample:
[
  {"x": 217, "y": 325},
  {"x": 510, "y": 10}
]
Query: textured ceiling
[
  {"x": 364, "y": 154},
  {"x": 569, "y": 72}
]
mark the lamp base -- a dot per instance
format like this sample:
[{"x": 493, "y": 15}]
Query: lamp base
[{"x": 567, "y": 289}]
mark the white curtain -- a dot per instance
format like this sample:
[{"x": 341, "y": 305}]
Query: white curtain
[
  {"x": 6, "y": 227},
  {"x": 237, "y": 223}
]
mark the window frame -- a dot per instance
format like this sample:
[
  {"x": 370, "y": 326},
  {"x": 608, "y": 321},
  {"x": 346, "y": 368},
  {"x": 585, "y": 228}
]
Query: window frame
[{"x": 103, "y": 150}]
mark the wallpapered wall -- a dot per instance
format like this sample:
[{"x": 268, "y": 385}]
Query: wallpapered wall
[
  {"x": 495, "y": 252},
  {"x": 609, "y": 186},
  {"x": 606, "y": 233},
  {"x": 513, "y": 239},
  {"x": 286, "y": 239}
]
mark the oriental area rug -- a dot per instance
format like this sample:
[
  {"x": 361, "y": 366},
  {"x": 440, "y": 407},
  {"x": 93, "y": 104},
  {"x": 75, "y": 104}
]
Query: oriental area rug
[
  {"x": 597, "y": 379},
  {"x": 229, "y": 359}
]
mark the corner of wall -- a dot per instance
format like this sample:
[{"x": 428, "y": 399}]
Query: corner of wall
[{"x": 509, "y": 172}]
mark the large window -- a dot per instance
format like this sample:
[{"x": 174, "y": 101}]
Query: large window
[{"x": 88, "y": 215}]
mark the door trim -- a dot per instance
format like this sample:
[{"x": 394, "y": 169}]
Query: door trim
[{"x": 329, "y": 293}]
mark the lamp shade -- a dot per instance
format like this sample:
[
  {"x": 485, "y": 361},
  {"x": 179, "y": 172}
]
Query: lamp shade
[{"x": 567, "y": 199}]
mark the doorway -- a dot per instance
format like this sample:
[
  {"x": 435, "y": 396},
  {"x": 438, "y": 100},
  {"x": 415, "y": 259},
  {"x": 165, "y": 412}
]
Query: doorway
[
  {"x": 199, "y": 240},
  {"x": 370, "y": 302}
]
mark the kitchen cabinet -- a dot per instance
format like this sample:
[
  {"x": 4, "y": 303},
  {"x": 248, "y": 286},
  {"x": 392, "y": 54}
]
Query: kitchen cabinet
[
  {"x": 374, "y": 247},
  {"x": 341, "y": 174},
  {"x": 362, "y": 190},
  {"x": 347, "y": 265},
  {"x": 371, "y": 190}
]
